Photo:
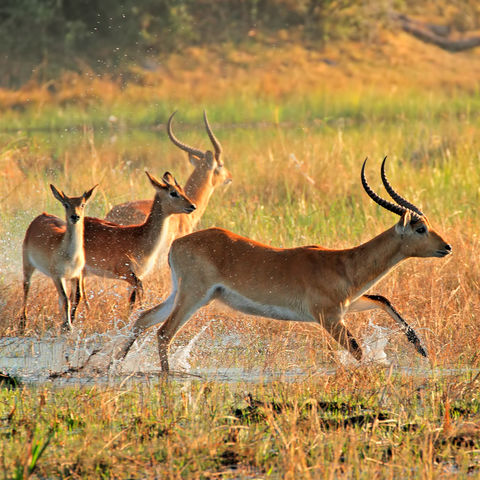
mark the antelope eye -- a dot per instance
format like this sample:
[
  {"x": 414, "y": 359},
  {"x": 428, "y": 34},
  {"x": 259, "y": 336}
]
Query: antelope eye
[
  {"x": 174, "y": 194},
  {"x": 421, "y": 230}
]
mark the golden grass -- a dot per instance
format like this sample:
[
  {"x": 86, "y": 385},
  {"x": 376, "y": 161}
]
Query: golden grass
[{"x": 352, "y": 424}]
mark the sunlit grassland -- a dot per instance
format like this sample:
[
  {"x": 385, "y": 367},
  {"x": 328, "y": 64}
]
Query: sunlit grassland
[{"x": 295, "y": 150}]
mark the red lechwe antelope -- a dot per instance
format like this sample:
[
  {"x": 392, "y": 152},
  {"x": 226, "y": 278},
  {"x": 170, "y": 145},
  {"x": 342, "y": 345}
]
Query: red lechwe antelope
[
  {"x": 304, "y": 284},
  {"x": 56, "y": 248},
  {"x": 209, "y": 172},
  {"x": 129, "y": 252}
]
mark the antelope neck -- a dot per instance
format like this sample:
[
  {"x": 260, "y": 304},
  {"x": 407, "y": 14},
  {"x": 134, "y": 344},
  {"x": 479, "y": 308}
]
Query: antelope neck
[
  {"x": 155, "y": 226},
  {"x": 73, "y": 238},
  {"x": 199, "y": 189},
  {"x": 372, "y": 260}
]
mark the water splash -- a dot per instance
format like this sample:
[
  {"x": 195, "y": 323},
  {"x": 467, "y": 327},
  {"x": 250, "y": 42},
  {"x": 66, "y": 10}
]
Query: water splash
[
  {"x": 373, "y": 346},
  {"x": 179, "y": 359},
  {"x": 375, "y": 343}
]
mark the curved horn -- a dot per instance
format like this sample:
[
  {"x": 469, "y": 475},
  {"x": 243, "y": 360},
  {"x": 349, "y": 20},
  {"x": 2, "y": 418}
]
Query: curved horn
[
  {"x": 383, "y": 203},
  {"x": 179, "y": 144},
  {"x": 398, "y": 198},
  {"x": 214, "y": 140}
]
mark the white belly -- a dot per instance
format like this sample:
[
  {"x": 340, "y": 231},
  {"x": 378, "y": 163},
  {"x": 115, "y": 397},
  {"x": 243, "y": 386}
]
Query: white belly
[{"x": 251, "y": 307}]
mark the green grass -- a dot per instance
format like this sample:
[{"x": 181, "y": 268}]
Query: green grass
[{"x": 318, "y": 107}]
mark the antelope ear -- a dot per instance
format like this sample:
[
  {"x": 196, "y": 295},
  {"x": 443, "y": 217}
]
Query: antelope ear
[
  {"x": 155, "y": 182},
  {"x": 193, "y": 159},
  {"x": 169, "y": 179},
  {"x": 404, "y": 222},
  {"x": 87, "y": 195},
  {"x": 210, "y": 159},
  {"x": 60, "y": 196}
]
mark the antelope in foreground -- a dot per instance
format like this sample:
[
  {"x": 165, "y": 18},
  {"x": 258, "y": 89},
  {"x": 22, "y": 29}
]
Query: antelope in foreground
[
  {"x": 129, "y": 252},
  {"x": 55, "y": 247},
  {"x": 209, "y": 172},
  {"x": 304, "y": 284}
]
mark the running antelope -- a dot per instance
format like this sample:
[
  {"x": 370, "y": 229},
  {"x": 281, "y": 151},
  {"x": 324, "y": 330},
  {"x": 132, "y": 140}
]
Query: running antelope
[
  {"x": 209, "y": 172},
  {"x": 56, "y": 249},
  {"x": 129, "y": 252},
  {"x": 304, "y": 284}
]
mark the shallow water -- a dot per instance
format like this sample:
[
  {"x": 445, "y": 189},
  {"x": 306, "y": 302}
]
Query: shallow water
[{"x": 40, "y": 360}]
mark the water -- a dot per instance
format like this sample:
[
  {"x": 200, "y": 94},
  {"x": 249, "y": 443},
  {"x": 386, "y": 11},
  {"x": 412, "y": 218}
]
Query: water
[{"x": 34, "y": 360}]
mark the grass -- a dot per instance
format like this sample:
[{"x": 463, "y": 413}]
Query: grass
[
  {"x": 354, "y": 424},
  {"x": 295, "y": 131},
  {"x": 272, "y": 200}
]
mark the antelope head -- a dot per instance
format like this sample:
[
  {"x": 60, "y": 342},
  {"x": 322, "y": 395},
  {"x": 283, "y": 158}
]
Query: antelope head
[
  {"x": 171, "y": 194},
  {"x": 418, "y": 238},
  {"x": 207, "y": 161},
  {"x": 74, "y": 206}
]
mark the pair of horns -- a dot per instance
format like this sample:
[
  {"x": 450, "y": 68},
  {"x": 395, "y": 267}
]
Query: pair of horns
[
  {"x": 194, "y": 151},
  {"x": 402, "y": 205}
]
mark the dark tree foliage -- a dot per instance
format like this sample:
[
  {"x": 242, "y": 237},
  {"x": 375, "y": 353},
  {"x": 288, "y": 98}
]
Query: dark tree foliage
[{"x": 40, "y": 37}]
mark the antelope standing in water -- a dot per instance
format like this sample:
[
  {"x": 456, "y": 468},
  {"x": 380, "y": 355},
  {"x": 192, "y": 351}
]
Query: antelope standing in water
[
  {"x": 56, "y": 248},
  {"x": 129, "y": 252},
  {"x": 303, "y": 284},
  {"x": 209, "y": 172}
]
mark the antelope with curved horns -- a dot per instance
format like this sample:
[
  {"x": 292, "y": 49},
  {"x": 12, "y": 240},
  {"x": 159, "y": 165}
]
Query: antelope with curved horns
[
  {"x": 304, "y": 284},
  {"x": 56, "y": 248},
  {"x": 209, "y": 173},
  {"x": 129, "y": 252}
]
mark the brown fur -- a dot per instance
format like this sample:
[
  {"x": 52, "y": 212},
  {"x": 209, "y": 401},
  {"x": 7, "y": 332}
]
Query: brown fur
[
  {"x": 207, "y": 175},
  {"x": 305, "y": 284},
  {"x": 56, "y": 248},
  {"x": 129, "y": 252}
]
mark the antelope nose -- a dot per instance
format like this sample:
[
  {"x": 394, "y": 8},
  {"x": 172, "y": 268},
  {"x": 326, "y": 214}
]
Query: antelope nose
[
  {"x": 448, "y": 247},
  {"x": 75, "y": 218}
]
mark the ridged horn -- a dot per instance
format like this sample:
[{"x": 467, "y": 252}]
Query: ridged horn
[
  {"x": 179, "y": 144},
  {"x": 377, "y": 199},
  {"x": 398, "y": 198},
  {"x": 214, "y": 140}
]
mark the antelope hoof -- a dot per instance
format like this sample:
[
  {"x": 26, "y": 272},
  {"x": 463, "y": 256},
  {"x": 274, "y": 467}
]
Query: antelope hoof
[
  {"x": 22, "y": 325},
  {"x": 421, "y": 351},
  {"x": 66, "y": 327}
]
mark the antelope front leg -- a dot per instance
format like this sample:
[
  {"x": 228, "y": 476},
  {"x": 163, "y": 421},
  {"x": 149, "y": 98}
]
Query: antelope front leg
[
  {"x": 82, "y": 293},
  {"x": 75, "y": 297},
  {"x": 137, "y": 292},
  {"x": 332, "y": 322},
  {"x": 371, "y": 302},
  {"x": 64, "y": 303}
]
